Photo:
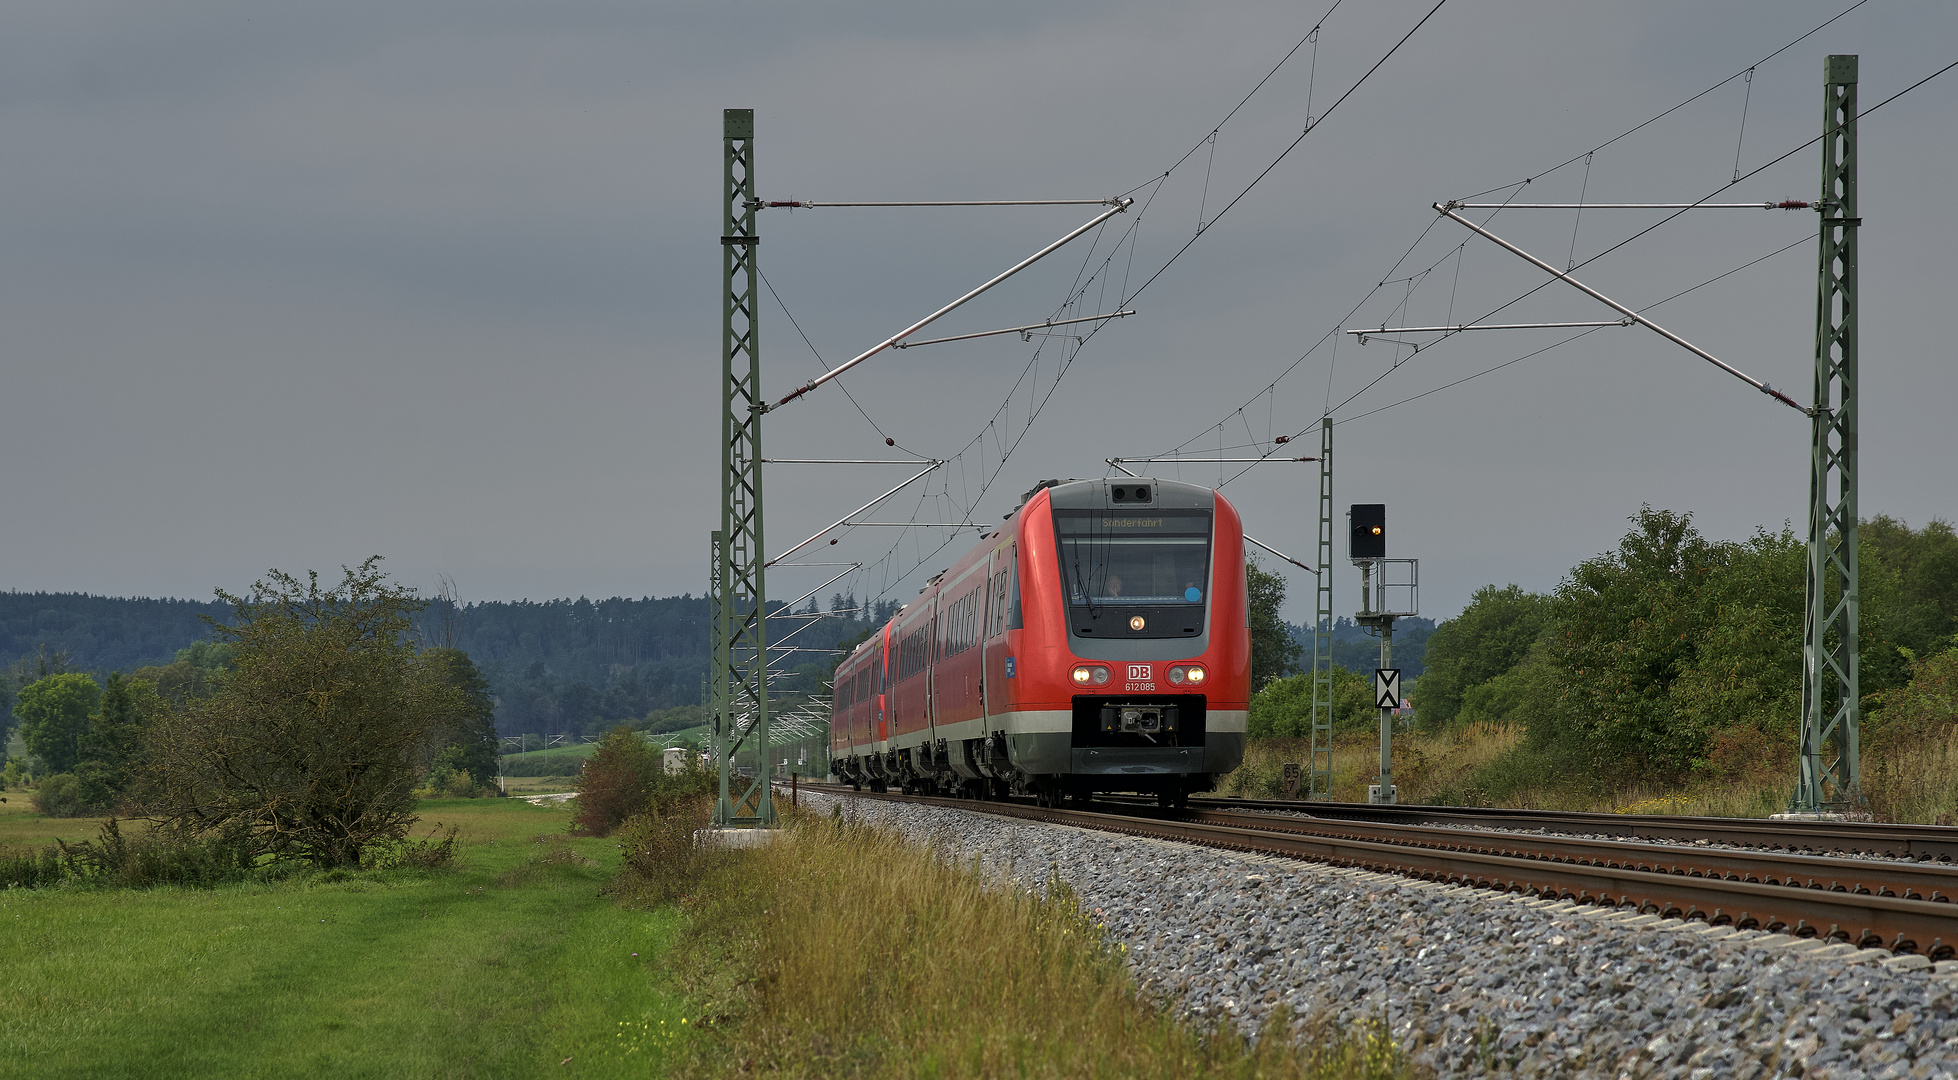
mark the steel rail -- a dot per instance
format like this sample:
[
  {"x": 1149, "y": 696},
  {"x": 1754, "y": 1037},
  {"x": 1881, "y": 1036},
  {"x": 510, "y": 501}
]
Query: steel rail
[
  {"x": 1923, "y": 842},
  {"x": 1894, "y": 922},
  {"x": 1912, "y": 881}
]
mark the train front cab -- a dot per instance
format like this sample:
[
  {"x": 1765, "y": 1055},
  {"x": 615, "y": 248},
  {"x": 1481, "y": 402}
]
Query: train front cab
[{"x": 1133, "y": 671}]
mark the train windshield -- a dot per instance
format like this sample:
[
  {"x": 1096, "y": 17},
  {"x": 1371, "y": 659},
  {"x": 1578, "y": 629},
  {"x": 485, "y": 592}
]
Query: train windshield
[{"x": 1114, "y": 561}]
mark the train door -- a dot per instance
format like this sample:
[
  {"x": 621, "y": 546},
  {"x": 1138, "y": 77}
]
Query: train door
[
  {"x": 1002, "y": 609},
  {"x": 931, "y": 669},
  {"x": 986, "y": 603},
  {"x": 881, "y": 666}
]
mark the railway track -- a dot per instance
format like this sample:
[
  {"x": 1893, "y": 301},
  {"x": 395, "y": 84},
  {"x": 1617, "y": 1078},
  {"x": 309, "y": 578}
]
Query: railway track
[
  {"x": 1922, "y": 842},
  {"x": 1901, "y": 906}
]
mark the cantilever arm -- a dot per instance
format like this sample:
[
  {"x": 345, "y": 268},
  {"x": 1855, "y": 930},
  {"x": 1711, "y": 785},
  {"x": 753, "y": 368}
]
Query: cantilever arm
[
  {"x": 889, "y": 342},
  {"x": 1737, "y": 373}
]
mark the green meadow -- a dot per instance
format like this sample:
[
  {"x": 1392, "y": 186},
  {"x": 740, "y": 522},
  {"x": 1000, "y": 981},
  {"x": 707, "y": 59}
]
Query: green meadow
[{"x": 513, "y": 965}]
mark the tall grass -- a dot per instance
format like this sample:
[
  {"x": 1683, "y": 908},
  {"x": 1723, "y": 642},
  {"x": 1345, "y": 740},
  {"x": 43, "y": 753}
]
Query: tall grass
[
  {"x": 1914, "y": 779},
  {"x": 843, "y": 950},
  {"x": 1908, "y": 777},
  {"x": 1490, "y": 765},
  {"x": 1427, "y": 766}
]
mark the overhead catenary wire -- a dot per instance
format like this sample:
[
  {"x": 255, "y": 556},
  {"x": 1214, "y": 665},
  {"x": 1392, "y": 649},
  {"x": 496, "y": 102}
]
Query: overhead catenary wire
[
  {"x": 1038, "y": 402},
  {"x": 1863, "y": 115},
  {"x": 1558, "y": 344},
  {"x": 1516, "y": 187},
  {"x": 1648, "y": 122}
]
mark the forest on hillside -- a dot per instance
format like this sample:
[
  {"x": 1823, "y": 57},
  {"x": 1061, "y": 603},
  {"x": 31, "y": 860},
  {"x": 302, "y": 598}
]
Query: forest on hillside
[{"x": 575, "y": 667}]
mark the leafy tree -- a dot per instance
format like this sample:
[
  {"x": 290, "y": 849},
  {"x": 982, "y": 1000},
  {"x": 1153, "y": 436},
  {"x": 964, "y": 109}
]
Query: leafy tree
[
  {"x": 312, "y": 747},
  {"x": 1489, "y": 637},
  {"x": 616, "y": 781},
  {"x": 54, "y": 714},
  {"x": 1672, "y": 637},
  {"x": 111, "y": 751},
  {"x": 471, "y": 731},
  {"x": 182, "y": 680},
  {"x": 42, "y": 663},
  {"x": 1922, "y": 711},
  {"x": 1274, "y": 654},
  {"x": 1924, "y": 565}
]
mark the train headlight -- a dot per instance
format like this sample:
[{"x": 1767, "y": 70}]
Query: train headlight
[
  {"x": 1086, "y": 674},
  {"x": 1137, "y": 622},
  {"x": 1186, "y": 675}
]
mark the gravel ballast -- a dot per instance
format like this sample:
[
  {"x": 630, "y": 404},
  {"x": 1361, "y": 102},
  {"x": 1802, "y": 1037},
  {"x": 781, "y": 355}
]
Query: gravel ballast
[{"x": 1468, "y": 980}]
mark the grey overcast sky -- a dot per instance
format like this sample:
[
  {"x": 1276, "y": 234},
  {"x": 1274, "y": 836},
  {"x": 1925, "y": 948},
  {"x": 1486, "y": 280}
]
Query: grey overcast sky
[{"x": 285, "y": 285}]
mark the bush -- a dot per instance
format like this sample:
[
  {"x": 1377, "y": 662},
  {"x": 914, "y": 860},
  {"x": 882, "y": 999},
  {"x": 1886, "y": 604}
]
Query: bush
[
  {"x": 660, "y": 859},
  {"x": 436, "y": 851},
  {"x": 23, "y": 869},
  {"x": 158, "y": 857},
  {"x": 61, "y": 795},
  {"x": 616, "y": 782},
  {"x": 1283, "y": 709}
]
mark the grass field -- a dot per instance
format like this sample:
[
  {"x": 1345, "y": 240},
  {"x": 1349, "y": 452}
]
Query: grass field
[
  {"x": 512, "y": 966},
  {"x": 571, "y": 755}
]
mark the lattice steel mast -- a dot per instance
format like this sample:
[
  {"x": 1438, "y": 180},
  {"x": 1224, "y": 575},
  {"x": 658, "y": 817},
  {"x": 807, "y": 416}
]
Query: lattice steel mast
[
  {"x": 740, "y": 598},
  {"x": 1831, "y": 693},
  {"x": 1319, "y": 771}
]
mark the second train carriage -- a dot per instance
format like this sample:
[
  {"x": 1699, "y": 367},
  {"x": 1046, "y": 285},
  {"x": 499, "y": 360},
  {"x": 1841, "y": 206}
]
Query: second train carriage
[{"x": 1097, "y": 641}]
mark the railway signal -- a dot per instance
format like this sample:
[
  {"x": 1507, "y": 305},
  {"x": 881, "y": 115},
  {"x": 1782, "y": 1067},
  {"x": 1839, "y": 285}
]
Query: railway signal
[
  {"x": 1369, "y": 525},
  {"x": 1388, "y": 591}
]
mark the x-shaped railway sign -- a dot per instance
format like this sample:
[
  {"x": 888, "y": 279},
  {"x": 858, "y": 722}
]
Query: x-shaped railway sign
[{"x": 1387, "y": 688}]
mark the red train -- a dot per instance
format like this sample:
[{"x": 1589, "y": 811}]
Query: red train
[{"x": 1097, "y": 641}]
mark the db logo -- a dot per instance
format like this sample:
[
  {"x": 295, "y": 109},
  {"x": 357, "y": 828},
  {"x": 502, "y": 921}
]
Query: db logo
[{"x": 1139, "y": 672}]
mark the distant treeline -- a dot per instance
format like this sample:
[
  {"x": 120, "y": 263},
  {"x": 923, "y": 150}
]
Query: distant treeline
[
  {"x": 102, "y": 633},
  {"x": 572, "y": 666},
  {"x": 582, "y": 666},
  {"x": 1356, "y": 650}
]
